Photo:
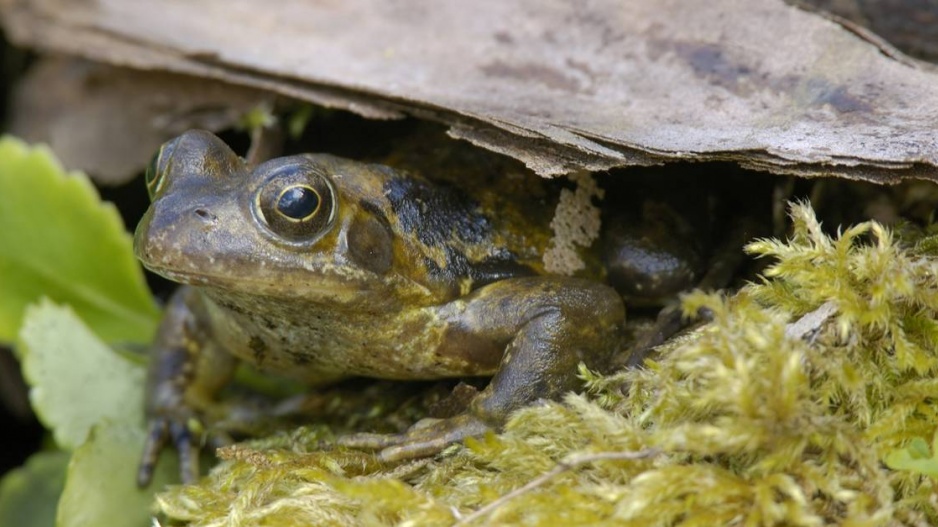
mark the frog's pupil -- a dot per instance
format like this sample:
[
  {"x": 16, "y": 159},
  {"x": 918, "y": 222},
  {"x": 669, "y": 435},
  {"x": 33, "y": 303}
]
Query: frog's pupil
[{"x": 298, "y": 202}]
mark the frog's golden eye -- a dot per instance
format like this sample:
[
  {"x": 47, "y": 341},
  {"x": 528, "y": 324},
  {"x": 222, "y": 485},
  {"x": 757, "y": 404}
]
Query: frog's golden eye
[
  {"x": 296, "y": 203},
  {"x": 155, "y": 175}
]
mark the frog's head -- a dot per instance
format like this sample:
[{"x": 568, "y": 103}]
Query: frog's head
[{"x": 292, "y": 227}]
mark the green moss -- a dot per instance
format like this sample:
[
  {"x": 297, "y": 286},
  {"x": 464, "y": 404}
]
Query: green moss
[{"x": 742, "y": 421}]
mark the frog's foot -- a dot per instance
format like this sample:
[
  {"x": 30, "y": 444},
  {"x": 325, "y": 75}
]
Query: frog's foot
[
  {"x": 669, "y": 322},
  {"x": 185, "y": 372},
  {"x": 159, "y": 431},
  {"x": 185, "y": 432},
  {"x": 425, "y": 438}
]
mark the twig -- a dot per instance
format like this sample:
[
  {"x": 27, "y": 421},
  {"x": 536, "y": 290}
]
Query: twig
[
  {"x": 266, "y": 142},
  {"x": 563, "y": 466}
]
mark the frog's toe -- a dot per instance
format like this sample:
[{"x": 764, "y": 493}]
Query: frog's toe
[
  {"x": 161, "y": 430},
  {"x": 425, "y": 438}
]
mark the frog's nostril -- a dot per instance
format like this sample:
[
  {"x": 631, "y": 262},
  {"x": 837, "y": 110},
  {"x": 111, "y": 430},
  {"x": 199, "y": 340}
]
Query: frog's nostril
[{"x": 205, "y": 215}]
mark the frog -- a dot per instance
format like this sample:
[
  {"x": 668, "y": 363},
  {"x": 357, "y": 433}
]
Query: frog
[{"x": 322, "y": 268}]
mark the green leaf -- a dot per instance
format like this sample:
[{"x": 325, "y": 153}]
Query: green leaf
[
  {"x": 57, "y": 239},
  {"x": 261, "y": 116},
  {"x": 299, "y": 119},
  {"x": 916, "y": 457},
  {"x": 29, "y": 495},
  {"x": 918, "y": 449},
  {"x": 100, "y": 488},
  {"x": 75, "y": 380}
]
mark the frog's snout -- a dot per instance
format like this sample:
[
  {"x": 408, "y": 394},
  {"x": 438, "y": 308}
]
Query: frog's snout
[{"x": 178, "y": 236}]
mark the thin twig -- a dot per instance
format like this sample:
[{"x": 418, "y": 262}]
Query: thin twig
[{"x": 561, "y": 467}]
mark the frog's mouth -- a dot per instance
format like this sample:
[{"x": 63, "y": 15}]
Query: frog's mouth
[
  {"x": 249, "y": 274},
  {"x": 313, "y": 287}
]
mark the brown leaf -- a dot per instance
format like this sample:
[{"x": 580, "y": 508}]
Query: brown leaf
[
  {"x": 108, "y": 121},
  {"x": 910, "y": 25},
  {"x": 561, "y": 85}
]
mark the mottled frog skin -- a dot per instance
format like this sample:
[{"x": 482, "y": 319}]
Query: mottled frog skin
[{"x": 321, "y": 268}]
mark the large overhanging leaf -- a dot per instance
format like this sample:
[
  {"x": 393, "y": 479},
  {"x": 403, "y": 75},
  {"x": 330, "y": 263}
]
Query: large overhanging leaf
[{"x": 561, "y": 86}]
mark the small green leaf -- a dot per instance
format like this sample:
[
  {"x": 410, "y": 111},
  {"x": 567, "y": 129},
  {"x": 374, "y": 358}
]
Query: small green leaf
[
  {"x": 57, "y": 239},
  {"x": 261, "y": 116},
  {"x": 915, "y": 458},
  {"x": 298, "y": 120},
  {"x": 75, "y": 380},
  {"x": 918, "y": 449},
  {"x": 29, "y": 495},
  {"x": 100, "y": 488}
]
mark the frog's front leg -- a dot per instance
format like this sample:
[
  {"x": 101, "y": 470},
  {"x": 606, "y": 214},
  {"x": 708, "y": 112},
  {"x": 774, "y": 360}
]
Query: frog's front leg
[
  {"x": 186, "y": 370},
  {"x": 543, "y": 327}
]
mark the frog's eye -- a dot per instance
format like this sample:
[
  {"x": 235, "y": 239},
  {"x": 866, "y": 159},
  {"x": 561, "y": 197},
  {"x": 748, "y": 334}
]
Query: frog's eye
[
  {"x": 296, "y": 203},
  {"x": 155, "y": 175}
]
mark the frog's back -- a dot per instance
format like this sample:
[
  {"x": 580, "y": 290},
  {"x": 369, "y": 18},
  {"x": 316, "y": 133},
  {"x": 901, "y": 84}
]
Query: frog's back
[{"x": 487, "y": 213}]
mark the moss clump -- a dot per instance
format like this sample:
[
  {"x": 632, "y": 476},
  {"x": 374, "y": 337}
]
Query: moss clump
[{"x": 740, "y": 422}]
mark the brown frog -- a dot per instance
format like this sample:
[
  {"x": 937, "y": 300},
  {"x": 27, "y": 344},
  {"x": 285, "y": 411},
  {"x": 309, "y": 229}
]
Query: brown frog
[{"x": 322, "y": 268}]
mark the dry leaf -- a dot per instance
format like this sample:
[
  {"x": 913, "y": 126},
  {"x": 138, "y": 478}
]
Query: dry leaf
[
  {"x": 108, "y": 121},
  {"x": 561, "y": 85}
]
